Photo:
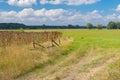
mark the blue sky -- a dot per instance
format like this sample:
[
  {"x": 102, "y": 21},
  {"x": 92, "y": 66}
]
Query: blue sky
[{"x": 59, "y": 12}]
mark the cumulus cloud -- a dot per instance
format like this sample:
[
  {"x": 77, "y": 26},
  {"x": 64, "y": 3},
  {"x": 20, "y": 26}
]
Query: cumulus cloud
[
  {"x": 118, "y": 8},
  {"x": 92, "y": 15},
  {"x": 28, "y": 12},
  {"x": 22, "y": 3},
  {"x": 51, "y": 1},
  {"x": 68, "y": 2},
  {"x": 112, "y": 17},
  {"x": 55, "y": 17},
  {"x": 29, "y": 15},
  {"x": 8, "y": 16}
]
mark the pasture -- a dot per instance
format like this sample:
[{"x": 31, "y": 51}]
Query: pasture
[{"x": 83, "y": 55}]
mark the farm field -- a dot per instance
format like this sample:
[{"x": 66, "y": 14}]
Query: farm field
[{"x": 83, "y": 55}]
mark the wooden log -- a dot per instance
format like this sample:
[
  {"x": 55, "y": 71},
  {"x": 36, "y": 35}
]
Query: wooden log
[
  {"x": 55, "y": 43},
  {"x": 39, "y": 45},
  {"x": 33, "y": 44}
]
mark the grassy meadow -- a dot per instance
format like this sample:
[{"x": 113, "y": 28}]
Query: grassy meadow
[{"x": 83, "y": 55}]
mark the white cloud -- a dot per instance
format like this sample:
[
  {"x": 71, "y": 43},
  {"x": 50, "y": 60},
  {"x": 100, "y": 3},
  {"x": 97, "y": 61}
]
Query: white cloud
[
  {"x": 118, "y": 8},
  {"x": 68, "y": 2},
  {"x": 40, "y": 13},
  {"x": 51, "y": 1},
  {"x": 112, "y": 17},
  {"x": 92, "y": 16},
  {"x": 55, "y": 17},
  {"x": 80, "y": 2},
  {"x": 28, "y": 12},
  {"x": 22, "y": 3},
  {"x": 30, "y": 16},
  {"x": 8, "y": 14}
]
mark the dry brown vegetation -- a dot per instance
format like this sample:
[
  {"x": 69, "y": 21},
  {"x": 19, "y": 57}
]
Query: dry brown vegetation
[{"x": 8, "y": 38}]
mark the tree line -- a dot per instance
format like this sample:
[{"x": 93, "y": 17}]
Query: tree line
[
  {"x": 12, "y": 26},
  {"x": 110, "y": 25}
]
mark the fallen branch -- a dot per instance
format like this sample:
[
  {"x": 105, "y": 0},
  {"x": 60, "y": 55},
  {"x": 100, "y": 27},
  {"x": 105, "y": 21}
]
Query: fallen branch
[{"x": 38, "y": 45}]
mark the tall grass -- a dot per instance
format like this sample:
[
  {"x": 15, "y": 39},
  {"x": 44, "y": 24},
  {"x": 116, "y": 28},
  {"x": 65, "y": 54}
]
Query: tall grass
[{"x": 19, "y": 60}]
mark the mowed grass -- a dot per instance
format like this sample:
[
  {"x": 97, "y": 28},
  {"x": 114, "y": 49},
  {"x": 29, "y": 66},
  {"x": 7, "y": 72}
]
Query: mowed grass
[
  {"x": 105, "y": 39},
  {"x": 18, "y": 60},
  {"x": 99, "y": 38}
]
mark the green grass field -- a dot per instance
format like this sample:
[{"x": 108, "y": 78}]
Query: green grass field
[{"x": 90, "y": 55}]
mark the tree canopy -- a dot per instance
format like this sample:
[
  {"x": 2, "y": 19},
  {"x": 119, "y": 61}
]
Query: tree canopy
[
  {"x": 89, "y": 25},
  {"x": 112, "y": 25},
  {"x": 99, "y": 26}
]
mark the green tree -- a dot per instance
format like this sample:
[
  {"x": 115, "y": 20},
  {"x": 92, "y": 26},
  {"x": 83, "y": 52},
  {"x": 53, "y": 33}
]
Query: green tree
[
  {"x": 111, "y": 25},
  {"x": 44, "y": 26},
  {"x": 89, "y": 25},
  {"x": 118, "y": 25},
  {"x": 99, "y": 26},
  {"x": 70, "y": 26}
]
